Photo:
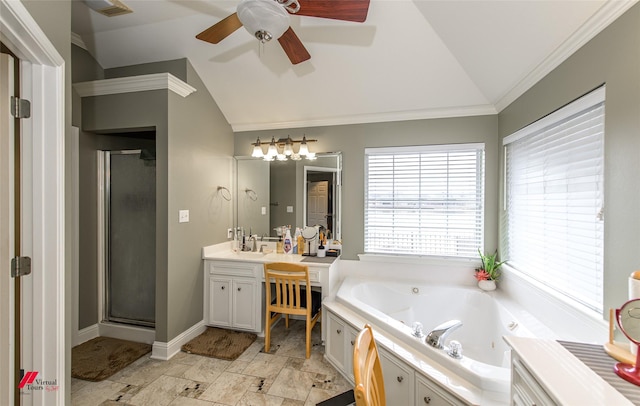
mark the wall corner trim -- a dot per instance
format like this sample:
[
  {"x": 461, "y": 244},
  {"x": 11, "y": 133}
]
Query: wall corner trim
[
  {"x": 130, "y": 84},
  {"x": 164, "y": 351}
]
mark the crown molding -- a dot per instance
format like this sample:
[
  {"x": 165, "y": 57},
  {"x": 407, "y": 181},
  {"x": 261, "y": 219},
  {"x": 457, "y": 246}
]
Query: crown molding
[
  {"x": 608, "y": 13},
  {"x": 77, "y": 40},
  {"x": 467, "y": 111},
  {"x": 130, "y": 84}
]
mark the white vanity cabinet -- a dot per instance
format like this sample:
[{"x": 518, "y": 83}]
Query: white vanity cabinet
[
  {"x": 525, "y": 389},
  {"x": 543, "y": 372},
  {"x": 234, "y": 290},
  {"x": 341, "y": 338},
  {"x": 403, "y": 384},
  {"x": 399, "y": 381},
  {"x": 234, "y": 293},
  {"x": 428, "y": 393}
]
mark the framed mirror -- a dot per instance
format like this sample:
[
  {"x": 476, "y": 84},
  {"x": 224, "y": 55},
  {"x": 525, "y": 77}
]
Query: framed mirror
[
  {"x": 628, "y": 318},
  {"x": 282, "y": 193}
]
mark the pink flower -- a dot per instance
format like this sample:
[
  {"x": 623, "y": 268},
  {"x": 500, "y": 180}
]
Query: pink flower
[{"x": 482, "y": 275}]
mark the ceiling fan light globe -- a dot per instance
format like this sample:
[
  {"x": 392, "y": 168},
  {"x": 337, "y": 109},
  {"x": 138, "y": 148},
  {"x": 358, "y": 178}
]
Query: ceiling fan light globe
[{"x": 264, "y": 19}]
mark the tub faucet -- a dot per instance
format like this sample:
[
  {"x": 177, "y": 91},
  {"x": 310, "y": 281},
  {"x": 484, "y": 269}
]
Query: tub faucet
[{"x": 437, "y": 336}]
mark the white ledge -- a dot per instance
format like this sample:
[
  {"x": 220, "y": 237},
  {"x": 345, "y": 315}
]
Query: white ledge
[
  {"x": 419, "y": 259},
  {"x": 130, "y": 84}
]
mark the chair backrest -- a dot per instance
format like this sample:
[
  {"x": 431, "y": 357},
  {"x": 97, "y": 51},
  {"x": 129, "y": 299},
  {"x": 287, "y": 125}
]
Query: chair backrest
[
  {"x": 367, "y": 370},
  {"x": 287, "y": 278}
]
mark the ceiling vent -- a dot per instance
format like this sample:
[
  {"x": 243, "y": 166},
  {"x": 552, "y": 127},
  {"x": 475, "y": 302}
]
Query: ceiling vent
[{"x": 109, "y": 8}]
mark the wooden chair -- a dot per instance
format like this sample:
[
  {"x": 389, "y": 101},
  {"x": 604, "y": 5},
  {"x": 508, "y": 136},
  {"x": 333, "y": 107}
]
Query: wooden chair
[
  {"x": 293, "y": 296},
  {"x": 367, "y": 370}
]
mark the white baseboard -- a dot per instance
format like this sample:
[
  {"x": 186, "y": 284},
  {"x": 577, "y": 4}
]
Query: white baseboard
[
  {"x": 84, "y": 335},
  {"x": 164, "y": 351},
  {"x": 126, "y": 332}
]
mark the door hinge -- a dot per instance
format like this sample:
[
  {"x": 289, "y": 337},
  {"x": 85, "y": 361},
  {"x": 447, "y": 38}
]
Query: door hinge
[
  {"x": 20, "y": 266},
  {"x": 20, "y": 108}
]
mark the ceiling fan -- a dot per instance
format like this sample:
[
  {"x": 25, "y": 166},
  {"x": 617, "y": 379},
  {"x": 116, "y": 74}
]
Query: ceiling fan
[{"x": 267, "y": 19}]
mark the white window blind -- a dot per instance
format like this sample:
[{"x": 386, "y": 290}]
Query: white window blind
[
  {"x": 426, "y": 200},
  {"x": 554, "y": 200}
]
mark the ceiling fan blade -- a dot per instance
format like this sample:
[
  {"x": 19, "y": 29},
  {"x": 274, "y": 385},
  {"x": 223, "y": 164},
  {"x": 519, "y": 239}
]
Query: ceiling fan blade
[
  {"x": 347, "y": 10},
  {"x": 293, "y": 47},
  {"x": 221, "y": 30}
]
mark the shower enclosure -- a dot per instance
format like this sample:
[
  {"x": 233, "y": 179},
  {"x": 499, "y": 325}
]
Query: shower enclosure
[{"x": 130, "y": 228}]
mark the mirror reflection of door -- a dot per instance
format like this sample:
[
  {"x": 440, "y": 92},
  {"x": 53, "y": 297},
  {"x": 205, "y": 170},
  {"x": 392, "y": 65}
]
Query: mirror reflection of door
[{"x": 318, "y": 203}]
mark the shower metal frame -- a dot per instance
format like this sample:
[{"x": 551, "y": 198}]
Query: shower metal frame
[{"x": 107, "y": 242}]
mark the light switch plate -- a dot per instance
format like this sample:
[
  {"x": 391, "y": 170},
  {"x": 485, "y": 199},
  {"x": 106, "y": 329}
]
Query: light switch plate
[
  {"x": 183, "y": 216},
  {"x": 289, "y": 209},
  {"x": 264, "y": 210}
]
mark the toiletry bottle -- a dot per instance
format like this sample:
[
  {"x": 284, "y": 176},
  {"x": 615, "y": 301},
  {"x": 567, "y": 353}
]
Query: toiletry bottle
[
  {"x": 322, "y": 252},
  {"x": 300, "y": 245},
  {"x": 279, "y": 247},
  {"x": 288, "y": 245}
]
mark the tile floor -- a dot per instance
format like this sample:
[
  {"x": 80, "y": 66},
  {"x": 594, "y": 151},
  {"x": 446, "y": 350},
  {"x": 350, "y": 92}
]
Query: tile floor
[{"x": 282, "y": 377}]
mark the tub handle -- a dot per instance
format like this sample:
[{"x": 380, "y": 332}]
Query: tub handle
[
  {"x": 427, "y": 399},
  {"x": 400, "y": 378}
]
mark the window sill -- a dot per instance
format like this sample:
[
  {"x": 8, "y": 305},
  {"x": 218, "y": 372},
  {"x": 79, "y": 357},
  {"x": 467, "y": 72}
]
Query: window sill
[{"x": 419, "y": 259}]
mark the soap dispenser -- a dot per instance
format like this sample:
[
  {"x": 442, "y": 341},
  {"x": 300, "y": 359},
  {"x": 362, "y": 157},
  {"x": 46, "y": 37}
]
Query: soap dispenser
[{"x": 288, "y": 245}]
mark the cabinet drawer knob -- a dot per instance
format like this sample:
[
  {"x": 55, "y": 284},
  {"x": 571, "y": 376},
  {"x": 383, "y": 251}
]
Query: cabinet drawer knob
[
  {"x": 353, "y": 342},
  {"x": 222, "y": 287},
  {"x": 427, "y": 399},
  {"x": 339, "y": 331},
  {"x": 400, "y": 378},
  {"x": 239, "y": 289}
]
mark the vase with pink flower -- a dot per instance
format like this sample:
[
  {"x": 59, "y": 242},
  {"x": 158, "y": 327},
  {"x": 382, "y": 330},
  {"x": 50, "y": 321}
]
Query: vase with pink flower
[{"x": 489, "y": 272}]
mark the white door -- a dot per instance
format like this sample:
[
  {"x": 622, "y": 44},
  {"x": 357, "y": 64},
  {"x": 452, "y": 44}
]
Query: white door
[
  {"x": 318, "y": 203},
  {"x": 41, "y": 214},
  {"x": 7, "y": 347}
]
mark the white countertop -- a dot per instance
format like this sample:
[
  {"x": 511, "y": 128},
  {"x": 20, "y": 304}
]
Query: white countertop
[
  {"x": 223, "y": 251},
  {"x": 564, "y": 377}
]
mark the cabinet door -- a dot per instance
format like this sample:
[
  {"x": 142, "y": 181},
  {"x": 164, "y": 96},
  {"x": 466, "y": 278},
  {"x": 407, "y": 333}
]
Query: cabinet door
[
  {"x": 350, "y": 343},
  {"x": 398, "y": 379},
  {"x": 335, "y": 350},
  {"x": 220, "y": 302},
  {"x": 427, "y": 394},
  {"x": 244, "y": 304}
]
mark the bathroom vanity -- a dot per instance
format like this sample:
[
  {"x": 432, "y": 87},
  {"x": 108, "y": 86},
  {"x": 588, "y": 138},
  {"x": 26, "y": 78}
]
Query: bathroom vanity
[
  {"x": 234, "y": 290},
  {"x": 545, "y": 373}
]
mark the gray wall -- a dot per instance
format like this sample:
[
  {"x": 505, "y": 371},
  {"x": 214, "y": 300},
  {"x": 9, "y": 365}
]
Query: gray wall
[
  {"x": 612, "y": 57},
  {"x": 200, "y": 151},
  {"x": 351, "y": 140},
  {"x": 193, "y": 157}
]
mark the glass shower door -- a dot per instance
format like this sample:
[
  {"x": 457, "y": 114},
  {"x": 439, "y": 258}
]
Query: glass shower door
[{"x": 131, "y": 238}]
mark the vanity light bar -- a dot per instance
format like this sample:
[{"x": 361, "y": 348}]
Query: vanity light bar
[{"x": 273, "y": 151}]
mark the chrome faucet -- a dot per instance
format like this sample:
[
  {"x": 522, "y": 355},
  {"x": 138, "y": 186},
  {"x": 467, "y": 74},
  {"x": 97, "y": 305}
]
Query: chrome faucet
[
  {"x": 437, "y": 336},
  {"x": 254, "y": 243}
]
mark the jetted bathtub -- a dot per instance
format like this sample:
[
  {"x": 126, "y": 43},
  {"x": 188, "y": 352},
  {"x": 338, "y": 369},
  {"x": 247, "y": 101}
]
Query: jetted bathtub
[{"x": 394, "y": 307}]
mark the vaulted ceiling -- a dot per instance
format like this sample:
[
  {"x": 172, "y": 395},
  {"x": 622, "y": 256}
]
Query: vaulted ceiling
[{"x": 411, "y": 59}]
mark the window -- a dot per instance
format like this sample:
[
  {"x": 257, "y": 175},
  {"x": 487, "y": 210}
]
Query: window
[
  {"x": 554, "y": 200},
  {"x": 425, "y": 200}
]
